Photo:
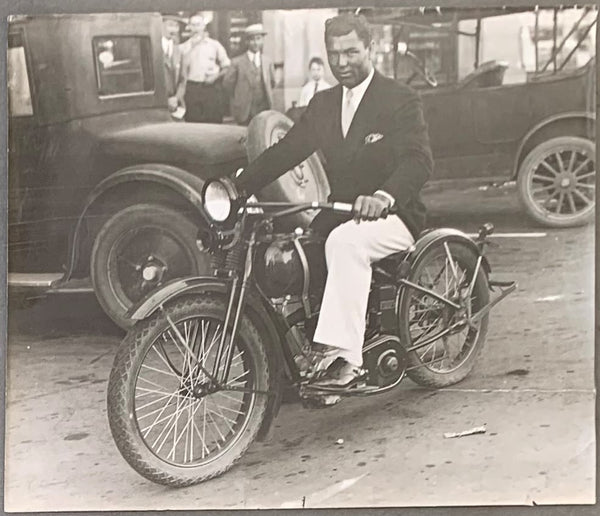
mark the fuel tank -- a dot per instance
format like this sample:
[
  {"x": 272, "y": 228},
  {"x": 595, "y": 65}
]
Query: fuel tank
[{"x": 291, "y": 265}]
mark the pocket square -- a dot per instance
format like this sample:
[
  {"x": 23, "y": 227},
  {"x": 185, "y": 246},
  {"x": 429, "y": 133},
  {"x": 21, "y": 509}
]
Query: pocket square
[{"x": 372, "y": 138}]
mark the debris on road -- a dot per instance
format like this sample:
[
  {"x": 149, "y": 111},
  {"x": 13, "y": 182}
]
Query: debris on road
[
  {"x": 339, "y": 441},
  {"x": 549, "y": 298},
  {"x": 472, "y": 431}
]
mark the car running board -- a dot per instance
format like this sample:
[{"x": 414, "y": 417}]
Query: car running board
[{"x": 49, "y": 282}]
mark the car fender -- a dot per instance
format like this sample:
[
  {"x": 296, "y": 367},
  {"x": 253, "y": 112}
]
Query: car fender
[
  {"x": 256, "y": 311},
  {"x": 182, "y": 183},
  {"x": 561, "y": 117}
]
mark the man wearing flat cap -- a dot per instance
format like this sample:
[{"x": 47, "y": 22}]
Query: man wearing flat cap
[{"x": 250, "y": 79}]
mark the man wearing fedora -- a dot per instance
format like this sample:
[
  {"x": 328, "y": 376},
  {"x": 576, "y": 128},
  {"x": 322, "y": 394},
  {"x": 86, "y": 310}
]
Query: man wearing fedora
[
  {"x": 172, "y": 58},
  {"x": 250, "y": 79}
]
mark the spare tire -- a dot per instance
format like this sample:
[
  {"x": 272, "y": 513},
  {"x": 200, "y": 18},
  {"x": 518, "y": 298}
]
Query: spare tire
[{"x": 305, "y": 183}]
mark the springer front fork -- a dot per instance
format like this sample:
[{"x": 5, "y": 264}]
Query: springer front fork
[{"x": 235, "y": 308}]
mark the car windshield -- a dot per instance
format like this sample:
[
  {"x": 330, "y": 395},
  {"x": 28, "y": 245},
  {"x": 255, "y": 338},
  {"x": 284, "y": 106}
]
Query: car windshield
[{"x": 452, "y": 45}]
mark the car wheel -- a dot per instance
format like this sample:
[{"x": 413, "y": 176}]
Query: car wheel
[
  {"x": 137, "y": 250},
  {"x": 557, "y": 182},
  {"x": 305, "y": 183}
]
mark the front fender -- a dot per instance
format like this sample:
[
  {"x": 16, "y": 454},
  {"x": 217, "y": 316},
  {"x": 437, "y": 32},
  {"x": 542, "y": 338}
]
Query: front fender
[
  {"x": 182, "y": 183},
  {"x": 255, "y": 309},
  {"x": 175, "y": 288},
  {"x": 439, "y": 236}
]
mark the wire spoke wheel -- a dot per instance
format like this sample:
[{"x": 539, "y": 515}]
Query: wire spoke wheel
[
  {"x": 449, "y": 345},
  {"x": 179, "y": 418},
  {"x": 173, "y": 416},
  {"x": 557, "y": 182}
]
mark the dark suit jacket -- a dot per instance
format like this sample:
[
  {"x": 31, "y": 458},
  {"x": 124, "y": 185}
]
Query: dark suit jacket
[
  {"x": 173, "y": 70},
  {"x": 399, "y": 162},
  {"x": 237, "y": 83}
]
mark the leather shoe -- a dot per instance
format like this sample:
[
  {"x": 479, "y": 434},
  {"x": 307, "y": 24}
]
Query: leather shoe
[{"x": 340, "y": 374}]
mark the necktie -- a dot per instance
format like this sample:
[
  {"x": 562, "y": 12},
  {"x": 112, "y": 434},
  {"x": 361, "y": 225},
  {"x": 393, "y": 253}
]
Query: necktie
[
  {"x": 316, "y": 87},
  {"x": 347, "y": 112},
  {"x": 257, "y": 60}
]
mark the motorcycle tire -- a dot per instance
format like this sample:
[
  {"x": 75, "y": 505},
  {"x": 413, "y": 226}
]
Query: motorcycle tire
[
  {"x": 131, "y": 380},
  {"x": 420, "y": 370}
]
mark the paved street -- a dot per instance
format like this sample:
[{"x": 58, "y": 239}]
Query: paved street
[{"x": 532, "y": 388}]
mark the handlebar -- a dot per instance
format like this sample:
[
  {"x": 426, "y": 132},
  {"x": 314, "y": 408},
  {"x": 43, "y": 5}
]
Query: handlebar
[
  {"x": 289, "y": 208},
  {"x": 340, "y": 207}
]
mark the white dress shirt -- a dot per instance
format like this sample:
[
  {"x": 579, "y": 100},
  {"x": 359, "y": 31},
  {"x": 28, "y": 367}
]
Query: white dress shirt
[
  {"x": 167, "y": 45},
  {"x": 308, "y": 90},
  {"x": 358, "y": 92},
  {"x": 254, "y": 58}
]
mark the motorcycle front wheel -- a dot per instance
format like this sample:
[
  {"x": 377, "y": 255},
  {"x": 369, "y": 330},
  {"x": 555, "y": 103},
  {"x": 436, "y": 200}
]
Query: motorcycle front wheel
[
  {"x": 446, "y": 269},
  {"x": 168, "y": 419}
]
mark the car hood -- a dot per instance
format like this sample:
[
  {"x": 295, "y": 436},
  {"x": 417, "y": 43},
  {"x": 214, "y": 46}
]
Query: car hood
[{"x": 168, "y": 142}]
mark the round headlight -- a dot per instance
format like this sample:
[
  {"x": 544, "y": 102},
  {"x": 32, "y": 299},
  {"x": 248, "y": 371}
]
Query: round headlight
[{"x": 217, "y": 201}]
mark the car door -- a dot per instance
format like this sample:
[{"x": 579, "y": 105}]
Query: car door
[{"x": 24, "y": 150}]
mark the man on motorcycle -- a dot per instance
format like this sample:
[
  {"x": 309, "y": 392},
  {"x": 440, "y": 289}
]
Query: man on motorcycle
[{"x": 373, "y": 137}]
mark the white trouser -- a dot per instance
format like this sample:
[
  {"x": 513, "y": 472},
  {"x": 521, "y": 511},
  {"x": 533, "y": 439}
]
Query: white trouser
[{"x": 350, "y": 250}]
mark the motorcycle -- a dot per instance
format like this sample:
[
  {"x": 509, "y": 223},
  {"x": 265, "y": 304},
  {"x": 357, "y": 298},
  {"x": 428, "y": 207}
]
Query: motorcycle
[{"x": 200, "y": 375}]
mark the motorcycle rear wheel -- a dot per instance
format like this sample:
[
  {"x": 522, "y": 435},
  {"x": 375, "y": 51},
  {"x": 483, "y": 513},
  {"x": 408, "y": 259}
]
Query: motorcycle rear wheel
[
  {"x": 164, "y": 419},
  {"x": 448, "y": 360}
]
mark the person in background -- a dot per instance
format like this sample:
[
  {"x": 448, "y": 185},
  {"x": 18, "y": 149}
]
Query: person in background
[
  {"x": 251, "y": 78},
  {"x": 172, "y": 59},
  {"x": 204, "y": 64},
  {"x": 316, "y": 70}
]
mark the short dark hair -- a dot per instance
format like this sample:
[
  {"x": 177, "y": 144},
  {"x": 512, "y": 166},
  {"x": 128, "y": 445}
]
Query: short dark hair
[
  {"x": 346, "y": 23},
  {"x": 315, "y": 60}
]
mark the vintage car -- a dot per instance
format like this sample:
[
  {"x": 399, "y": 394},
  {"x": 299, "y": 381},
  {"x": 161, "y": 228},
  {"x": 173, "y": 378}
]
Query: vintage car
[
  {"x": 103, "y": 184},
  {"x": 537, "y": 129}
]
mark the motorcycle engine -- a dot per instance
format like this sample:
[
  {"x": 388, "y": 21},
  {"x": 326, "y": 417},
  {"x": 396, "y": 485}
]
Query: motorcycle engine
[{"x": 283, "y": 266}]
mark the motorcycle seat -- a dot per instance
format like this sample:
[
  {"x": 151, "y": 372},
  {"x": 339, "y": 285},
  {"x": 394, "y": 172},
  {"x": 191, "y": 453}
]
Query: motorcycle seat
[{"x": 391, "y": 262}]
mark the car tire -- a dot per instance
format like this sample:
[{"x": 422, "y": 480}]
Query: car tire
[
  {"x": 137, "y": 250},
  {"x": 305, "y": 183},
  {"x": 557, "y": 181}
]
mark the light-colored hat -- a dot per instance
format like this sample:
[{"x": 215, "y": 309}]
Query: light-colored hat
[{"x": 254, "y": 30}]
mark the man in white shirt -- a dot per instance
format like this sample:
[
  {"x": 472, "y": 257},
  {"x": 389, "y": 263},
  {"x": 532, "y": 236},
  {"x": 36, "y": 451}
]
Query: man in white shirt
[
  {"x": 251, "y": 78},
  {"x": 204, "y": 64},
  {"x": 316, "y": 70}
]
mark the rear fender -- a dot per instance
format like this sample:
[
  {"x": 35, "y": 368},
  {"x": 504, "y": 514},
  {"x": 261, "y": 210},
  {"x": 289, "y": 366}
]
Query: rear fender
[
  {"x": 435, "y": 238},
  {"x": 256, "y": 311},
  {"x": 438, "y": 237},
  {"x": 177, "y": 180}
]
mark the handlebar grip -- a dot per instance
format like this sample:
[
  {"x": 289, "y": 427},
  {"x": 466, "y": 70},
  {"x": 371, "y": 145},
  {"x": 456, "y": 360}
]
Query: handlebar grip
[{"x": 342, "y": 207}]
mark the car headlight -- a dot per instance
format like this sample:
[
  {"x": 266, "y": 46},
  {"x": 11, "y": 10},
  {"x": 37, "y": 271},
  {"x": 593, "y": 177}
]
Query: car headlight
[{"x": 217, "y": 201}]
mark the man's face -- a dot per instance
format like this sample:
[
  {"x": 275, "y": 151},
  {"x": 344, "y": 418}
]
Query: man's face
[
  {"x": 197, "y": 25},
  {"x": 316, "y": 71},
  {"x": 349, "y": 59},
  {"x": 170, "y": 29},
  {"x": 255, "y": 43}
]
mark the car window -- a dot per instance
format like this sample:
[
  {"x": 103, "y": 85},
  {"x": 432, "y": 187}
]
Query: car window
[
  {"x": 19, "y": 91},
  {"x": 123, "y": 65}
]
